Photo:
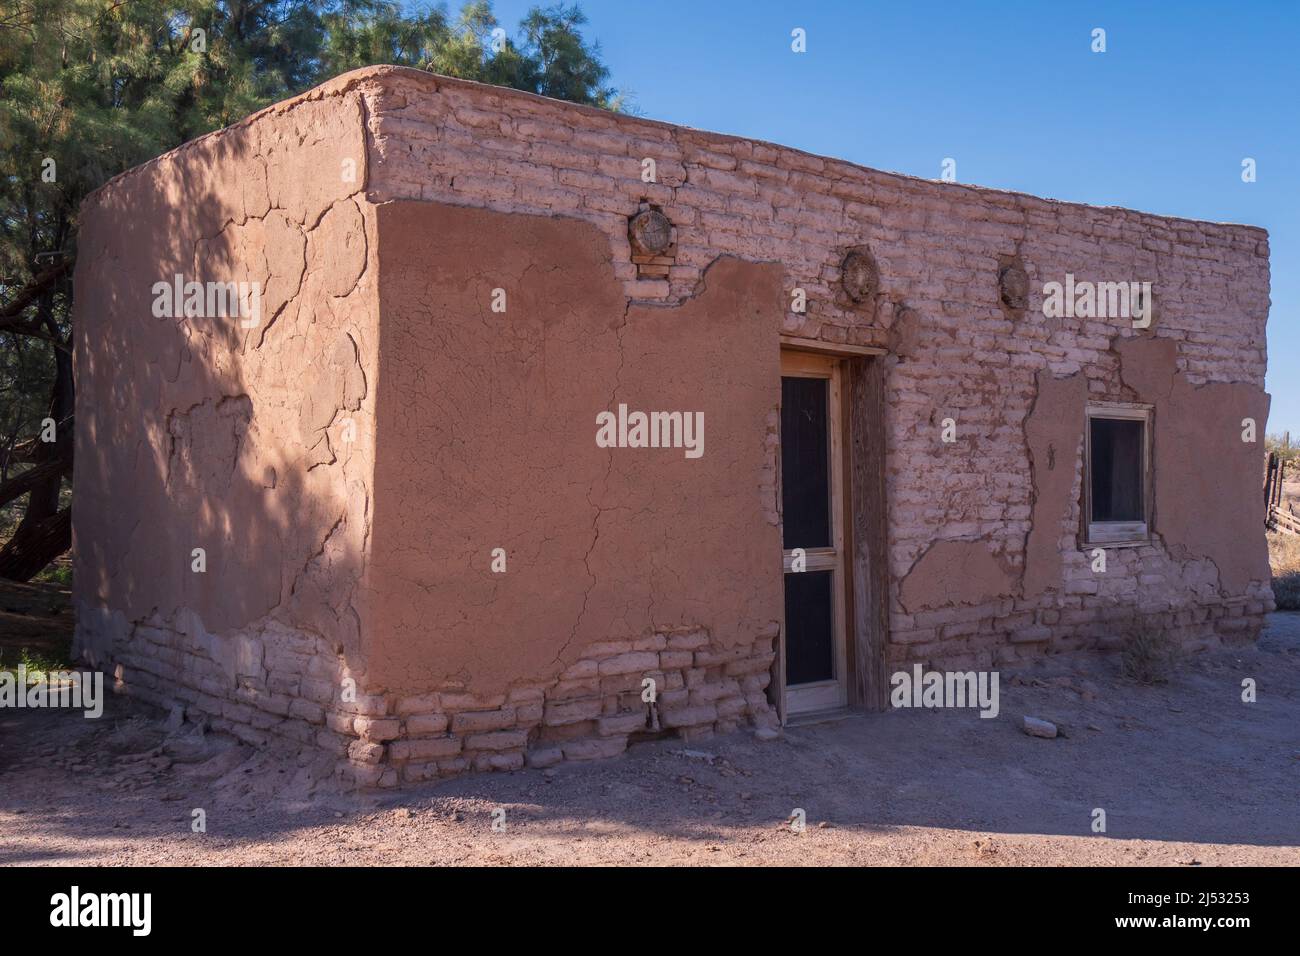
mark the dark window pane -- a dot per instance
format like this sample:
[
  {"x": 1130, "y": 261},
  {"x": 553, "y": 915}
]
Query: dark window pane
[
  {"x": 1116, "y": 469},
  {"x": 805, "y": 463},
  {"x": 809, "y": 627}
]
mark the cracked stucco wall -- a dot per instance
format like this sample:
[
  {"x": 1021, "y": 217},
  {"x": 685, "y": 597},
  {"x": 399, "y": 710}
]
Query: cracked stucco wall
[
  {"x": 379, "y": 212},
  {"x": 487, "y": 427},
  {"x": 988, "y": 502},
  {"x": 197, "y": 432}
]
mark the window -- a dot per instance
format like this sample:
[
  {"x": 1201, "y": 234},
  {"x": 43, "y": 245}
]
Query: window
[{"x": 1117, "y": 482}]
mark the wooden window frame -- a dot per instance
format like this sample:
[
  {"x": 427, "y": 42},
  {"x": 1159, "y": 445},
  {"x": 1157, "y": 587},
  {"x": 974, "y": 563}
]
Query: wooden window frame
[{"x": 1119, "y": 534}]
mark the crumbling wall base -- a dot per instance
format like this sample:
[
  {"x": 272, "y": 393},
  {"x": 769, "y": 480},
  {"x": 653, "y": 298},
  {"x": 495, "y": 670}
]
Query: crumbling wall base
[{"x": 269, "y": 680}]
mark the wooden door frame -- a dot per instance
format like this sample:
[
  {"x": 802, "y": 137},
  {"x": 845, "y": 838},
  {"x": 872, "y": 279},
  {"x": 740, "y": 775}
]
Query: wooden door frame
[
  {"x": 868, "y": 526},
  {"x": 831, "y": 694},
  {"x": 865, "y": 539}
]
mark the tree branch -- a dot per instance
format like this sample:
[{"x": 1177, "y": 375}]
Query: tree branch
[
  {"x": 19, "y": 485},
  {"x": 11, "y": 313}
]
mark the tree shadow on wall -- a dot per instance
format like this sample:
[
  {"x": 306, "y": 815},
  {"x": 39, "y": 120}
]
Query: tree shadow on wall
[{"x": 217, "y": 491}]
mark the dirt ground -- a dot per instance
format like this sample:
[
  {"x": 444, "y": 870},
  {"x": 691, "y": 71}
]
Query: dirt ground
[
  {"x": 1187, "y": 773},
  {"x": 36, "y": 618}
]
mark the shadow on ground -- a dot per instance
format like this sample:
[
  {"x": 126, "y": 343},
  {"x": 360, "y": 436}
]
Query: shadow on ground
[{"x": 1186, "y": 772}]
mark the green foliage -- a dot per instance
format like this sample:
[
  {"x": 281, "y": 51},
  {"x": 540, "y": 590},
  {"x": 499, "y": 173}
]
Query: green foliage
[
  {"x": 549, "y": 55},
  {"x": 100, "y": 86},
  {"x": 26, "y": 368},
  {"x": 1282, "y": 446},
  {"x": 38, "y": 665},
  {"x": 58, "y": 573}
]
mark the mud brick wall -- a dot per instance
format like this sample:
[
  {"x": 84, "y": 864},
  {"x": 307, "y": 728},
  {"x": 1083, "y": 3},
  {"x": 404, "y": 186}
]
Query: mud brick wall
[{"x": 369, "y": 564}]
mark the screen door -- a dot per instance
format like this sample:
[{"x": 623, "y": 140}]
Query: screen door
[{"x": 812, "y": 533}]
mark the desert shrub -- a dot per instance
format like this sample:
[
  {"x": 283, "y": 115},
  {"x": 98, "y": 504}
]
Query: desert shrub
[
  {"x": 1148, "y": 657},
  {"x": 1284, "y": 559},
  {"x": 60, "y": 572}
]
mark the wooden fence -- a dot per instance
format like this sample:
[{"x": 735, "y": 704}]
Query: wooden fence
[{"x": 1277, "y": 518}]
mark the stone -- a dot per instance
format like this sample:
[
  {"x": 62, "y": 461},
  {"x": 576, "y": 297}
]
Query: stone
[
  {"x": 630, "y": 663},
  {"x": 499, "y": 761},
  {"x": 544, "y": 757},
  {"x": 425, "y": 725},
  {"x": 499, "y": 740},
  {"x": 1030, "y": 635},
  {"x": 1037, "y": 727},
  {"x": 559, "y": 713},
  {"x": 688, "y": 716},
  {"x": 378, "y": 729},
  {"x": 477, "y": 721},
  {"x": 594, "y": 749},
  {"x": 175, "y": 719},
  {"x": 365, "y": 752},
  {"x": 432, "y": 748},
  {"x": 622, "y": 724}
]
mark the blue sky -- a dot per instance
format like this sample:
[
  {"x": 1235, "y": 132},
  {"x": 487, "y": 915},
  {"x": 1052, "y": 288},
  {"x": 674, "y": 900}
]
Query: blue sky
[{"x": 1159, "y": 122}]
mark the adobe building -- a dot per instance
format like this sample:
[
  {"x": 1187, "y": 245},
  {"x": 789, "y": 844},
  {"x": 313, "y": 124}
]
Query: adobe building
[{"x": 536, "y": 429}]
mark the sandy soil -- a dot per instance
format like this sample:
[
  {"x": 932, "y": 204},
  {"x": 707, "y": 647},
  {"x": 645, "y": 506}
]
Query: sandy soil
[{"x": 1187, "y": 773}]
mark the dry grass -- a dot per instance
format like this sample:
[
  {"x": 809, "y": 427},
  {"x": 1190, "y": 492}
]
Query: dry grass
[
  {"x": 1284, "y": 558},
  {"x": 1148, "y": 657}
]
